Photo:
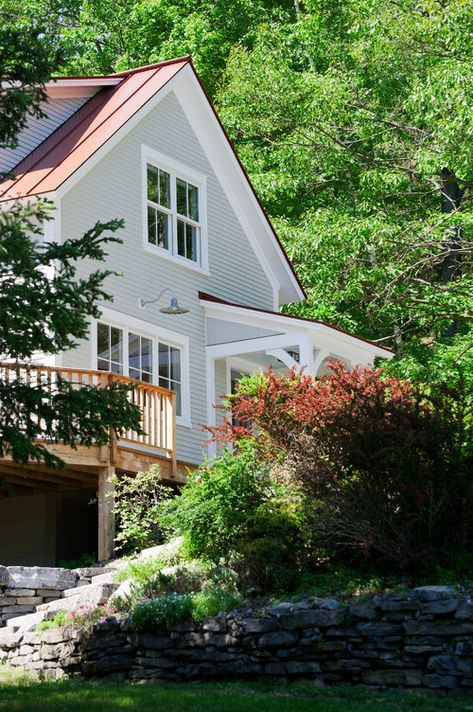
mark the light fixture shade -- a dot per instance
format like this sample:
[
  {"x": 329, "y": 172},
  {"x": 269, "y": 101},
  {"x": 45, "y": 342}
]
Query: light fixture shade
[{"x": 174, "y": 308}]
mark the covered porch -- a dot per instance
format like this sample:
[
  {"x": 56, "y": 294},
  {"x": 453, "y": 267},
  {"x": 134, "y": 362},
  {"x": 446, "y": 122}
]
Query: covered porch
[
  {"x": 46, "y": 513},
  {"x": 241, "y": 340}
]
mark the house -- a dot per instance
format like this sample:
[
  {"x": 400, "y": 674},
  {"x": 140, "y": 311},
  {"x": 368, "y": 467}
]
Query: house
[{"x": 147, "y": 146}]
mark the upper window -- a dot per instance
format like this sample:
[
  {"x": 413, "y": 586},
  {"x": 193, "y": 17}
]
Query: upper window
[{"x": 175, "y": 208}]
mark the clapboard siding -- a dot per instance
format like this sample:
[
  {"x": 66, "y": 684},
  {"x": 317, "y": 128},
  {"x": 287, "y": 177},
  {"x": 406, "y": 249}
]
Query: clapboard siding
[
  {"x": 57, "y": 111},
  {"x": 112, "y": 188}
]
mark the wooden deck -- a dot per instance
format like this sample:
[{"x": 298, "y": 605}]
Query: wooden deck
[{"x": 94, "y": 467}]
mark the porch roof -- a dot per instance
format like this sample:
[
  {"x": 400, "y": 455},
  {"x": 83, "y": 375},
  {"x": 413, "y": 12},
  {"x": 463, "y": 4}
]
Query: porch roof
[{"x": 272, "y": 325}]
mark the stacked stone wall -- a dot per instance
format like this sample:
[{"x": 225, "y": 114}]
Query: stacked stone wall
[
  {"x": 419, "y": 639},
  {"x": 23, "y": 588}
]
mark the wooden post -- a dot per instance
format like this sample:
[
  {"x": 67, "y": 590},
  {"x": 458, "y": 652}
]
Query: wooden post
[
  {"x": 106, "y": 513},
  {"x": 172, "y": 434}
]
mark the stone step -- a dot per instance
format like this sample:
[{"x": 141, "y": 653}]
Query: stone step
[
  {"x": 94, "y": 594},
  {"x": 101, "y": 578},
  {"x": 27, "y": 622}
]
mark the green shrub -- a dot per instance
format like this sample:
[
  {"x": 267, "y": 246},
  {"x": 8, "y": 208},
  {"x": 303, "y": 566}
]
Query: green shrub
[
  {"x": 138, "y": 502},
  {"x": 214, "y": 506},
  {"x": 234, "y": 510},
  {"x": 158, "y": 612},
  {"x": 211, "y": 601}
]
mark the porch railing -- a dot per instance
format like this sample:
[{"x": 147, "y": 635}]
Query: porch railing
[{"x": 157, "y": 405}]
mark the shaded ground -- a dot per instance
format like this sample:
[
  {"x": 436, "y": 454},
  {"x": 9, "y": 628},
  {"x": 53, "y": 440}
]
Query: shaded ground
[{"x": 20, "y": 695}]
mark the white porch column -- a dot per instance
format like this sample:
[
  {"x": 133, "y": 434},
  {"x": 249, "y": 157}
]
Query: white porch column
[{"x": 211, "y": 396}]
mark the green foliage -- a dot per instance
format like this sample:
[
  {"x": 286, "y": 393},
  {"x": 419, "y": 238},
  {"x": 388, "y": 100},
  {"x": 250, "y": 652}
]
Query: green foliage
[
  {"x": 213, "y": 507},
  {"x": 83, "y": 561},
  {"x": 211, "y": 601},
  {"x": 164, "y": 611},
  {"x": 172, "y": 608},
  {"x": 354, "y": 125},
  {"x": 82, "y": 617},
  {"x": 61, "y": 618},
  {"x": 27, "y": 59},
  {"x": 233, "y": 510},
  {"x": 139, "y": 500}
]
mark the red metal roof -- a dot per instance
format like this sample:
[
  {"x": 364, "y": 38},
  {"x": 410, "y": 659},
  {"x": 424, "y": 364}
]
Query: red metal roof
[
  {"x": 210, "y": 298},
  {"x": 74, "y": 142}
]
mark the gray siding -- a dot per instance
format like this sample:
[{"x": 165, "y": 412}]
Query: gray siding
[{"x": 113, "y": 189}]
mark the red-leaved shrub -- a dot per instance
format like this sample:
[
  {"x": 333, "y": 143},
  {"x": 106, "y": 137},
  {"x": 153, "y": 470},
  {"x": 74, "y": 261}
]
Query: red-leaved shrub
[{"x": 379, "y": 462}]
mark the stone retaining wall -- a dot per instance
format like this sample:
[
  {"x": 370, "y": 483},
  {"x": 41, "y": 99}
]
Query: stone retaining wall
[
  {"x": 421, "y": 638},
  {"x": 23, "y": 588}
]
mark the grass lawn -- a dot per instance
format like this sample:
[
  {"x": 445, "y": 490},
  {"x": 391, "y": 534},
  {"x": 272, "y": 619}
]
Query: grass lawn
[{"x": 21, "y": 695}]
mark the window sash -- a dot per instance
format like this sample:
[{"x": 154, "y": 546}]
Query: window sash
[{"x": 170, "y": 238}]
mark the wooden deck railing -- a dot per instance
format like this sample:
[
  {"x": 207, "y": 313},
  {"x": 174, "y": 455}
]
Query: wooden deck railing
[{"x": 157, "y": 405}]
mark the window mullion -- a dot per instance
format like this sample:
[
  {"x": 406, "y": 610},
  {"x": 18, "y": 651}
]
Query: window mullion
[{"x": 126, "y": 369}]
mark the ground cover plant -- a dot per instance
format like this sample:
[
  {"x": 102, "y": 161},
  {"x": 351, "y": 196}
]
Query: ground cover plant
[{"x": 81, "y": 696}]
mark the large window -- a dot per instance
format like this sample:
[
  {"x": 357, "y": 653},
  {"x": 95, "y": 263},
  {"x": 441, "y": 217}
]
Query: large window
[
  {"x": 175, "y": 211},
  {"x": 151, "y": 360}
]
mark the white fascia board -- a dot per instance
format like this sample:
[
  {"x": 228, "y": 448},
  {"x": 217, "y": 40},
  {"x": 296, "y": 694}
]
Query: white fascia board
[
  {"x": 117, "y": 137},
  {"x": 239, "y": 193},
  {"x": 73, "y": 88},
  {"x": 322, "y": 335}
]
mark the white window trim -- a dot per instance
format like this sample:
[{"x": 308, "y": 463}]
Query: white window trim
[
  {"x": 176, "y": 170},
  {"x": 151, "y": 331}
]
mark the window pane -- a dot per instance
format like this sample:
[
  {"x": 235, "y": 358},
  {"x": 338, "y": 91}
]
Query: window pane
[
  {"x": 181, "y": 241},
  {"x": 116, "y": 350},
  {"x": 133, "y": 373},
  {"x": 146, "y": 355},
  {"x": 133, "y": 352},
  {"x": 181, "y": 194},
  {"x": 193, "y": 198},
  {"x": 151, "y": 225},
  {"x": 152, "y": 176},
  {"x": 103, "y": 341},
  {"x": 164, "y": 191},
  {"x": 116, "y": 368},
  {"x": 175, "y": 364},
  {"x": 177, "y": 387},
  {"x": 103, "y": 365},
  {"x": 191, "y": 243},
  {"x": 163, "y": 382},
  {"x": 163, "y": 361},
  {"x": 146, "y": 377},
  {"x": 162, "y": 230}
]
